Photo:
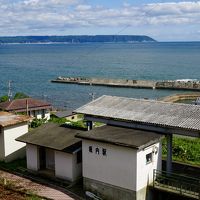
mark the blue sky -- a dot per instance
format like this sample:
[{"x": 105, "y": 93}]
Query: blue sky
[{"x": 163, "y": 20}]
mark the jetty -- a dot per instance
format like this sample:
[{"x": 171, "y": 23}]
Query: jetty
[
  {"x": 182, "y": 84},
  {"x": 193, "y": 97}
]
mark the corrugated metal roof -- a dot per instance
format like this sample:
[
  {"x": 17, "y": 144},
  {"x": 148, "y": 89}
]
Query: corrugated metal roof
[
  {"x": 146, "y": 111},
  {"x": 8, "y": 119}
]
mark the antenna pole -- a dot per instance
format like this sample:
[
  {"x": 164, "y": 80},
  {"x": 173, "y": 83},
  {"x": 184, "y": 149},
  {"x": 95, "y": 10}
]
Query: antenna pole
[
  {"x": 9, "y": 91},
  {"x": 92, "y": 96}
]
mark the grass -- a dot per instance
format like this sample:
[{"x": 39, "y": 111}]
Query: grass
[
  {"x": 14, "y": 165},
  {"x": 184, "y": 149},
  {"x": 9, "y": 190}
]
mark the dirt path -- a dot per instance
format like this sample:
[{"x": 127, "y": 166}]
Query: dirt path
[{"x": 54, "y": 193}]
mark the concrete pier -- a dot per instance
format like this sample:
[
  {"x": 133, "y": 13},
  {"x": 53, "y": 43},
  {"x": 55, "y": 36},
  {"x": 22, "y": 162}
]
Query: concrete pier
[{"x": 148, "y": 84}]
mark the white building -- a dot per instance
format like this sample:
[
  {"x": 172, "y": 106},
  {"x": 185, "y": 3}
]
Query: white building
[
  {"x": 118, "y": 163},
  {"x": 32, "y": 107},
  {"x": 11, "y": 127},
  {"x": 54, "y": 148},
  {"x": 68, "y": 115}
]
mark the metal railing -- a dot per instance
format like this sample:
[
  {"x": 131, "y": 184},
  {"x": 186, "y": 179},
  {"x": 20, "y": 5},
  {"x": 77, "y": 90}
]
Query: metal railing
[{"x": 184, "y": 185}]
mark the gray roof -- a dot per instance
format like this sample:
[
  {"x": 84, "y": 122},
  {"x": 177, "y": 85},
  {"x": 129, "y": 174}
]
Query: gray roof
[
  {"x": 61, "y": 114},
  {"x": 127, "y": 137},
  {"x": 9, "y": 119},
  {"x": 54, "y": 136},
  {"x": 151, "y": 112}
]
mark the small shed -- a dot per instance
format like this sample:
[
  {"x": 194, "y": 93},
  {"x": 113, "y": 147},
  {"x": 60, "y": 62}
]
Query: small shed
[
  {"x": 67, "y": 114},
  {"x": 118, "y": 162},
  {"x": 54, "y": 148},
  {"x": 11, "y": 127}
]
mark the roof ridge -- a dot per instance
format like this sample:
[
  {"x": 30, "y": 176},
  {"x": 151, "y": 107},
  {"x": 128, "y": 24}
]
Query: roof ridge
[
  {"x": 9, "y": 105},
  {"x": 149, "y": 100}
]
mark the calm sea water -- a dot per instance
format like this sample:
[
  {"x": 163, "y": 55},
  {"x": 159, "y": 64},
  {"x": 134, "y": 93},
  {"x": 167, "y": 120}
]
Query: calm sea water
[{"x": 32, "y": 66}]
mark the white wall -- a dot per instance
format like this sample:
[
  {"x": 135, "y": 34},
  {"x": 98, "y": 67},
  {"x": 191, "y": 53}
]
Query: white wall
[
  {"x": 47, "y": 115},
  {"x": 63, "y": 165},
  {"x": 10, "y": 134},
  {"x": 39, "y": 113},
  {"x": 66, "y": 166},
  {"x": 117, "y": 168},
  {"x": 77, "y": 168},
  {"x": 73, "y": 118},
  {"x": 50, "y": 158},
  {"x": 144, "y": 170},
  {"x": 32, "y": 157},
  {"x": 2, "y": 144}
]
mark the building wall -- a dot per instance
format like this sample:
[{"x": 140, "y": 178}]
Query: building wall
[
  {"x": 72, "y": 118},
  {"x": 77, "y": 168},
  {"x": 39, "y": 114},
  {"x": 66, "y": 166},
  {"x": 63, "y": 165},
  {"x": 47, "y": 115},
  {"x": 2, "y": 153},
  {"x": 106, "y": 191},
  {"x": 32, "y": 157},
  {"x": 32, "y": 113},
  {"x": 144, "y": 169},
  {"x": 50, "y": 158},
  {"x": 117, "y": 168},
  {"x": 10, "y": 134}
]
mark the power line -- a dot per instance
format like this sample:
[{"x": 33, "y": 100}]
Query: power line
[{"x": 117, "y": 33}]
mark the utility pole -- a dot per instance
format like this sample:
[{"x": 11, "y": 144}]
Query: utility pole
[
  {"x": 92, "y": 96},
  {"x": 9, "y": 91}
]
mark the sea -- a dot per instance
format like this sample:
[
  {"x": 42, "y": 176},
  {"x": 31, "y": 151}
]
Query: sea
[{"x": 31, "y": 67}]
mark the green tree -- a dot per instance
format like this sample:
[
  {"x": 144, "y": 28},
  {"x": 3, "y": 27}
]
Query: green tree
[
  {"x": 37, "y": 122},
  {"x": 4, "y": 98},
  {"x": 20, "y": 95}
]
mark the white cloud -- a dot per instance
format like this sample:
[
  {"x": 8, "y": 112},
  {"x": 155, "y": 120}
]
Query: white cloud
[
  {"x": 25, "y": 16},
  {"x": 83, "y": 7}
]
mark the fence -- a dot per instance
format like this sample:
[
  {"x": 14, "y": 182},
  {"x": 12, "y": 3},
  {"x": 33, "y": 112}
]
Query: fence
[{"x": 183, "y": 185}]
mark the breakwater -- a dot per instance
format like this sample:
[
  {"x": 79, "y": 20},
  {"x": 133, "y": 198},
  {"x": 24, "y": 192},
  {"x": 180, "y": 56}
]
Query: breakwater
[
  {"x": 181, "y": 97},
  {"x": 149, "y": 84}
]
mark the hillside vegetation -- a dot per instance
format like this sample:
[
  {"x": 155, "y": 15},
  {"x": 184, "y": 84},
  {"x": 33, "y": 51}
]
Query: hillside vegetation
[{"x": 77, "y": 39}]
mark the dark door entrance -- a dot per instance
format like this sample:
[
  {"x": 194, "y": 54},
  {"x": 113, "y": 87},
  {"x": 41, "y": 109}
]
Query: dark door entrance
[{"x": 42, "y": 156}]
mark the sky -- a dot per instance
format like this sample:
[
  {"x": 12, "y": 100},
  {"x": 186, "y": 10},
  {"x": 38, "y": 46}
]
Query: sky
[{"x": 162, "y": 20}]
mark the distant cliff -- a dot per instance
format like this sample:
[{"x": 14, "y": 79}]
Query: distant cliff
[{"x": 78, "y": 39}]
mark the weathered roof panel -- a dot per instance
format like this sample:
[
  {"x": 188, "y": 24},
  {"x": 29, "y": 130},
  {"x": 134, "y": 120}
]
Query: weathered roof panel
[
  {"x": 8, "y": 119},
  {"x": 51, "y": 135},
  {"x": 127, "y": 137},
  {"x": 61, "y": 114},
  {"x": 20, "y": 105},
  {"x": 147, "y": 111}
]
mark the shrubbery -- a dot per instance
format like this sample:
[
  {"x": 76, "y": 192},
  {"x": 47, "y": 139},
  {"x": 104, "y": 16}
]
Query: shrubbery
[
  {"x": 37, "y": 122},
  {"x": 184, "y": 149},
  {"x": 18, "y": 95}
]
